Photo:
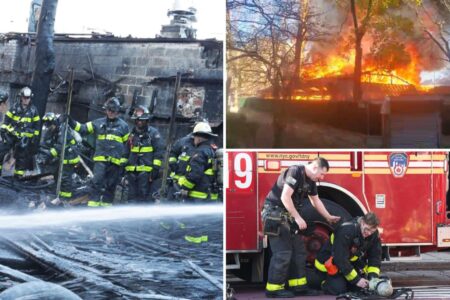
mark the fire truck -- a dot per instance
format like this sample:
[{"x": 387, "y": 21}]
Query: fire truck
[{"x": 407, "y": 190}]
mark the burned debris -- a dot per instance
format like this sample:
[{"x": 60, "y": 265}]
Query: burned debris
[{"x": 122, "y": 259}]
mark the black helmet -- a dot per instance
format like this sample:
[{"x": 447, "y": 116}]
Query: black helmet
[
  {"x": 50, "y": 118},
  {"x": 3, "y": 96},
  {"x": 141, "y": 113},
  {"x": 113, "y": 104}
]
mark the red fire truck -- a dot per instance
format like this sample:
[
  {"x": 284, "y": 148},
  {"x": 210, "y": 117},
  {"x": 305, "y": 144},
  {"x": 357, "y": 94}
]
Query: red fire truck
[{"x": 407, "y": 190}]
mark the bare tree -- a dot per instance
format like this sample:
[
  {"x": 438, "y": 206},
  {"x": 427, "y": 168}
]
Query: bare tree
[
  {"x": 269, "y": 35},
  {"x": 436, "y": 24}
]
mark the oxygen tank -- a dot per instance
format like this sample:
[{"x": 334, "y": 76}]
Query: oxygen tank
[
  {"x": 381, "y": 286},
  {"x": 219, "y": 158}
]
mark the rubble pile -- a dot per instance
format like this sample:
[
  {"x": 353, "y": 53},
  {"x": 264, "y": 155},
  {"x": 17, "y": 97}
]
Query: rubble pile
[{"x": 147, "y": 259}]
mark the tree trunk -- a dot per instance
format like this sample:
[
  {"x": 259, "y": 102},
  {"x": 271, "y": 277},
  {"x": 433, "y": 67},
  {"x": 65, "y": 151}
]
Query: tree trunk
[
  {"x": 357, "y": 90},
  {"x": 295, "y": 80},
  {"x": 45, "y": 55}
]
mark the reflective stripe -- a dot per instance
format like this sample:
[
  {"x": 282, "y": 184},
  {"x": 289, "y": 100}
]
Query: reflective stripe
[
  {"x": 184, "y": 158},
  {"x": 36, "y": 132},
  {"x": 352, "y": 275},
  {"x": 138, "y": 168},
  {"x": 138, "y": 149},
  {"x": 332, "y": 238},
  {"x": 157, "y": 162},
  {"x": 172, "y": 160},
  {"x": 36, "y": 118},
  {"x": 274, "y": 287},
  {"x": 175, "y": 176},
  {"x": 214, "y": 196},
  {"x": 188, "y": 168},
  {"x": 116, "y": 161},
  {"x": 182, "y": 181},
  {"x": 93, "y": 203},
  {"x": 320, "y": 266},
  {"x": 89, "y": 126},
  {"x": 98, "y": 203},
  {"x": 9, "y": 114},
  {"x": 26, "y": 134},
  {"x": 72, "y": 161},
  {"x": 109, "y": 137},
  {"x": 197, "y": 194},
  {"x": 354, "y": 258},
  {"x": 209, "y": 172},
  {"x": 196, "y": 240},
  {"x": 73, "y": 142},
  {"x": 65, "y": 194},
  {"x": 19, "y": 172},
  {"x": 297, "y": 282},
  {"x": 54, "y": 152},
  {"x": 375, "y": 270},
  {"x": 77, "y": 127},
  {"x": 125, "y": 138}
]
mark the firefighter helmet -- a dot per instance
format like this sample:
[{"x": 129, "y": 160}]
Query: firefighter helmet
[
  {"x": 141, "y": 113},
  {"x": 3, "y": 96},
  {"x": 50, "y": 118},
  {"x": 26, "y": 92},
  {"x": 113, "y": 104},
  {"x": 203, "y": 129}
]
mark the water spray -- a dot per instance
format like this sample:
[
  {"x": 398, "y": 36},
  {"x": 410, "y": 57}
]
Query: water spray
[{"x": 89, "y": 215}]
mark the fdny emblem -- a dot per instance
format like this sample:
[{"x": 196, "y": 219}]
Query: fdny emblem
[{"x": 398, "y": 163}]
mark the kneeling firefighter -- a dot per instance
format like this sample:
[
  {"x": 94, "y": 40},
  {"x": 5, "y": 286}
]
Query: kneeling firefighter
[
  {"x": 282, "y": 223},
  {"x": 350, "y": 258}
]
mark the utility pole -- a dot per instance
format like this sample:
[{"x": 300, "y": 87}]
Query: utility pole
[{"x": 45, "y": 55}]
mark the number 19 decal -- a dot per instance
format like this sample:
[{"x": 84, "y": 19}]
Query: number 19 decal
[{"x": 243, "y": 171}]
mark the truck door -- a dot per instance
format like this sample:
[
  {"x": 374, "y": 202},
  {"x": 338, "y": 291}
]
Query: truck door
[
  {"x": 398, "y": 187},
  {"x": 242, "y": 213}
]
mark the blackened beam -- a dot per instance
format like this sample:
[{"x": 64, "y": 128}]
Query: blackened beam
[
  {"x": 76, "y": 270},
  {"x": 101, "y": 38},
  {"x": 205, "y": 275},
  {"x": 185, "y": 80},
  {"x": 17, "y": 274}
]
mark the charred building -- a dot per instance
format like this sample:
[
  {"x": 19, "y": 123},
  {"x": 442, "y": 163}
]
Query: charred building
[{"x": 140, "y": 71}]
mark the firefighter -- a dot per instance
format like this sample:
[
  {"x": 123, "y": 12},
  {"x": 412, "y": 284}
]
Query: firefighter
[
  {"x": 179, "y": 156},
  {"x": 145, "y": 152},
  {"x": 350, "y": 258},
  {"x": 20, "y": 132},
  {"x": 111, "y": 134},
  {"x": 3, "y": 102},
  {"x": 196, "y": 183},
  {"x": 282, "y": 223},
  {"x": 50, "y": 152}
]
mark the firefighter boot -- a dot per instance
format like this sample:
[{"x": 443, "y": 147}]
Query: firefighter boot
[
  {"x": 304, "y": 291},
  {"x": 280, "y": 294}
]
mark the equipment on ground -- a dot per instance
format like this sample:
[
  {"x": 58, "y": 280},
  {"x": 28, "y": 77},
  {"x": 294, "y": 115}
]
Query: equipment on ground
[{"x": 381, "y": 286}]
